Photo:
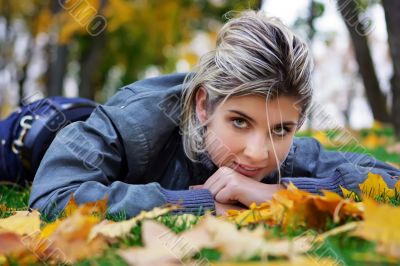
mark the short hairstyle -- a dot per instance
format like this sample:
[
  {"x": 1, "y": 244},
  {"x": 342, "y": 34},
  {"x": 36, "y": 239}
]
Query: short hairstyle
[{"x": 254, "y": 54}]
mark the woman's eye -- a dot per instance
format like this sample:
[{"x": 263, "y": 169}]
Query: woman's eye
[
  {"x": 239, "y": 123},
  {"x": 280, "y": 131}
]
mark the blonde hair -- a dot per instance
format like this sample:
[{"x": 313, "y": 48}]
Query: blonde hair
[{"x": 254, "y": 54}]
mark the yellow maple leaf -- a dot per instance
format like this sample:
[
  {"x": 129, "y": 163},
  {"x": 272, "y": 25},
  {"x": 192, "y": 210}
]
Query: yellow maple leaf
[
  {"x": 49, "y": 228},
  {"x": 255, "y": 214},
  {"x": 347, "y": 193},
  {"x": 374, "y": 186},
  {"x": 397, "y": 187}
]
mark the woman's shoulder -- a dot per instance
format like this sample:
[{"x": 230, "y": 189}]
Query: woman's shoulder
[
  {"x": 149, "y": 87},
  {"x": 144, "y": 115}
]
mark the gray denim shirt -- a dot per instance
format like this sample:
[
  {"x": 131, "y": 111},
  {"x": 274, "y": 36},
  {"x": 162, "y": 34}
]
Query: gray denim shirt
[{"x": 130, "y": 149}]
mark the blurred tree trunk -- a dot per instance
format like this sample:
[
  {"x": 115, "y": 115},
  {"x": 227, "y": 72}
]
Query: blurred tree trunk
[
  {"x": 57, "y": 61},
  {"x": 23, "y": 72},
  {"x": 90, "y": 78},
  {"x": 392, "y": 16},
  {"x": 312, "y": 15},
  {"x": 259, "y": 4},
  {"x": 89, "y": 66},
  {"x": 57, "y": 69},
  {"x": 357, "y": 29}
]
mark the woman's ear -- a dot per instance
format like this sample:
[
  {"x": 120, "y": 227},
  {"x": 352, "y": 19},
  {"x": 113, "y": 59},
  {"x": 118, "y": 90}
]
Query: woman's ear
[{"x": 201, "y": 100}]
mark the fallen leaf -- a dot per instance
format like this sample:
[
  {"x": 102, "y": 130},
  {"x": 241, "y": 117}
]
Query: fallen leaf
[
  {"x": 10, "y": 242},
  {"x": 112, "y": 230},
  {"x": 293, "y": 208},
  {"x": 372, "y": 141},
  {"x": 394, "y": 149},
  {"x": 348, "y": 194},
  {"x": 154, "y": 251},
  {"x": 381, "y": 224},
  {"x": 161, "y": 244},
  {"x": 297, "y": 261},
  {"x": 255, "y": 214},
  {"x": 70, "y": 237},
  {"x": 25, "y": 250},
  {"x": 98, "y": 207},
  {"x": 22, "y": 222},
  {"x": 374, "y": 186}
]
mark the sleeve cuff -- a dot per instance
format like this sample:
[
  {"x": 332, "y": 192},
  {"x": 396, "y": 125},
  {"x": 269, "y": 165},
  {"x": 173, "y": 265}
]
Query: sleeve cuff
[
  {"x": 314, "y": 185},
  {"x": 196, "y": 201}
]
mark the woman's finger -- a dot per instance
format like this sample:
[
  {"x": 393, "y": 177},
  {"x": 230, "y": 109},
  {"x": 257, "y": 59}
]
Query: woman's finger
[
  {"x": 217, "y": 186},
  {"x": 225, "y": 196},
  {"x": 196, "y": 187}
]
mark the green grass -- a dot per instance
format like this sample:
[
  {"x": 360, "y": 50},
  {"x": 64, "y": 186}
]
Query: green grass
[
  {"x": 380, "y": 153},
  {"x": 13, "y": 197}
]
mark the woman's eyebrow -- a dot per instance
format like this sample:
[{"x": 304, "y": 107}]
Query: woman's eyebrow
[{"x": 286, "y": 123}]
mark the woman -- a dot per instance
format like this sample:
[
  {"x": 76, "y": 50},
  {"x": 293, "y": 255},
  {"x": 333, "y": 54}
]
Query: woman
[{"x": 226, "y": 131}]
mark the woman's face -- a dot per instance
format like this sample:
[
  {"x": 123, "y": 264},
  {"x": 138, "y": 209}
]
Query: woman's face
[{"x": 248, "y": 133}]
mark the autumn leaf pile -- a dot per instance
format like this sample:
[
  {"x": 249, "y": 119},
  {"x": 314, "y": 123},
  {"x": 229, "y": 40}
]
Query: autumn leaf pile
[{"x": 83, "y": 231}]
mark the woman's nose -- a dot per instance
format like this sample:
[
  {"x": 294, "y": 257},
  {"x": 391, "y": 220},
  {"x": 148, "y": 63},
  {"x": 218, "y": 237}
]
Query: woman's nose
[{"x": 256, "y": 149}]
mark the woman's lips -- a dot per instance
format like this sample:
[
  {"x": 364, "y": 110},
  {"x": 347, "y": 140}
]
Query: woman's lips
[{"x": 250, "y": 173}]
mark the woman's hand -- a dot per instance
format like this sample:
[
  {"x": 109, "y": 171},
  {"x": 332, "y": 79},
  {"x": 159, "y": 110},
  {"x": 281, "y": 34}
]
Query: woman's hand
[{"x": 229, "y": 187}]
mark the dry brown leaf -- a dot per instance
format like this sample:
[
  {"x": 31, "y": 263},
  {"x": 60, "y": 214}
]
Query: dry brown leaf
[
  {"x": 68, "y": 238},
  {"x": 113, "y": 230},
  {"x": 99, "y": 207},
  {"x": 22, "y": 222},
  {"x": 10, "y": 242},
  {"x": 3, "y": 208},
  {"x": 25, "y": 250},
  {"x": 161, "y": 244},
  {"x": 297, "y": 261},
  {"x": 395, "y": 148},
  {"x": 381, "y": 224},
  {"x": 292, "y": 208},
  {"x": 154, "y": 251}
]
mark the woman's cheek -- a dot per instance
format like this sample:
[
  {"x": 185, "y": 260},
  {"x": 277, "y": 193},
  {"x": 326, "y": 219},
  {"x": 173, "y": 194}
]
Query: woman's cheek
[
  {"x": 284, "y": 151},
  {"x": 225, "y": 147}
]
